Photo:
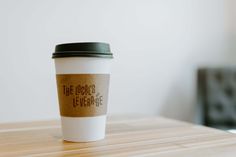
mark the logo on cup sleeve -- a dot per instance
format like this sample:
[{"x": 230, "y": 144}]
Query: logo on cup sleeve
[{"x": 82, "y": 94}]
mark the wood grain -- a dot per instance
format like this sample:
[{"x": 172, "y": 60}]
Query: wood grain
[{"x": 126, "y": 136}]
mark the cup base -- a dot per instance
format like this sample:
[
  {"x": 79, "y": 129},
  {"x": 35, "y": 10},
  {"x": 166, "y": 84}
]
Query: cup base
[
  {"x": 83, "y": 129},
  {"x": 82, "y": 141}
]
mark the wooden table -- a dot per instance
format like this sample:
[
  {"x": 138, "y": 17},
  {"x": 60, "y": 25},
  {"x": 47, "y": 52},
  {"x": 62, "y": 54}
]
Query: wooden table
[{"x": 129, "y": 136}]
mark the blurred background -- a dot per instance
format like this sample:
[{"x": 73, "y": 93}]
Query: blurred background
[{"x": 173, "y": 58}]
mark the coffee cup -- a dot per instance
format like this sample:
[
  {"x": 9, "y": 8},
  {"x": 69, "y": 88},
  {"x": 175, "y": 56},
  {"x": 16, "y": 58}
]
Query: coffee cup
[{"x": 83, "y": 74}]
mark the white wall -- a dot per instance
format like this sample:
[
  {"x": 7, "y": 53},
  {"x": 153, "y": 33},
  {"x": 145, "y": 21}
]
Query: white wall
[{"x": 157, "y": 44}]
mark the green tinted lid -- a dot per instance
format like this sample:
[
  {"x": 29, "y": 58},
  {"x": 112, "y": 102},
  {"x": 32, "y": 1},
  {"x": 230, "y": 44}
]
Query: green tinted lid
[{"x": 84, "y": 49}]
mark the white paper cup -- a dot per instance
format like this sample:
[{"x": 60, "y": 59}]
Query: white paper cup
[{"x": 83, "y": 83}]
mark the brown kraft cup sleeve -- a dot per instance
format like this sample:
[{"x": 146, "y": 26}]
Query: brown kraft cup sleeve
[{"x": 82, "y": 95}]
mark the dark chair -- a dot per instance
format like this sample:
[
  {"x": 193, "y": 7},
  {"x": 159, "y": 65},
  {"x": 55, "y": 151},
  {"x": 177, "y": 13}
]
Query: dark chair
[{"x": 217, "y": 97}]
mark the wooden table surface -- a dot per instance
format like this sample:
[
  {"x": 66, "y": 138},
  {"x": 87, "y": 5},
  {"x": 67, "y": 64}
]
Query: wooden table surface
[{"x": 129, "y": 136}]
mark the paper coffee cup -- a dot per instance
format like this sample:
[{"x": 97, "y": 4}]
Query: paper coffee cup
[{"x": 82, "y": 73}]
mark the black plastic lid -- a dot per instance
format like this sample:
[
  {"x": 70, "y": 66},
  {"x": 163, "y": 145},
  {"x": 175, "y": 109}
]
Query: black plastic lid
[{"x": 84, "y": 49}]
